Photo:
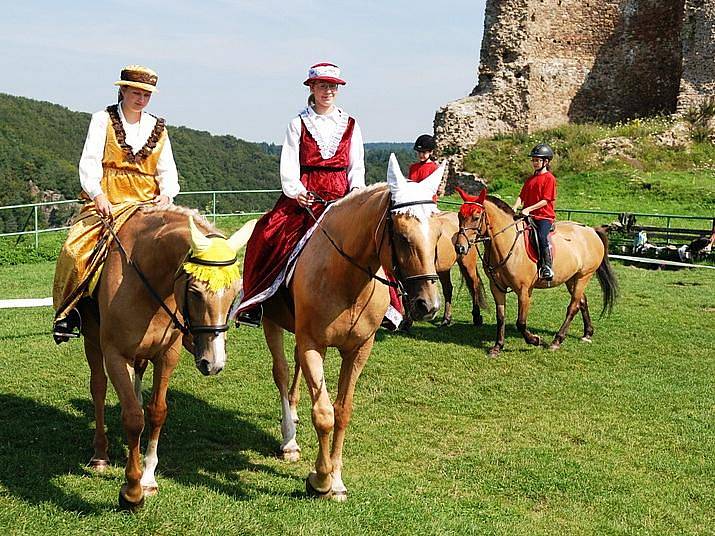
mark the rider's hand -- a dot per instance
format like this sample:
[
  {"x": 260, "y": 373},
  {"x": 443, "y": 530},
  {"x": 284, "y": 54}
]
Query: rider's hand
[
  {"x": 103, "y": 206},
  {"x": 305, "y": 199},
  {"x": 162, "y": 201},
  {"x": 525, "y": 212}
]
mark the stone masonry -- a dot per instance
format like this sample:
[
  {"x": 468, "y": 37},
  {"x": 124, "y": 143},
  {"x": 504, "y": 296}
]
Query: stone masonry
[{"x": 544, "y": 63}]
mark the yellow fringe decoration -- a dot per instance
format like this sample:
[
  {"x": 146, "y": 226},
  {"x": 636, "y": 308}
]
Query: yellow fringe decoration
[{"x": 216, "y": 277}]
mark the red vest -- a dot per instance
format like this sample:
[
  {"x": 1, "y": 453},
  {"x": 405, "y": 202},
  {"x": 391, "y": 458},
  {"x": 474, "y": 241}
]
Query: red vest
[{"x": 419, "y": 171}]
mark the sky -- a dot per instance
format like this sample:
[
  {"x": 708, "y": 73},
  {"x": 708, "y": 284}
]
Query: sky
[{"x": 237, "y": 66}]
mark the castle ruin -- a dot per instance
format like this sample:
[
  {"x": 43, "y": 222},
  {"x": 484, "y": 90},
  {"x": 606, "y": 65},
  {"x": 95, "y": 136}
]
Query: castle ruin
[{"x": 544, "y": 63}]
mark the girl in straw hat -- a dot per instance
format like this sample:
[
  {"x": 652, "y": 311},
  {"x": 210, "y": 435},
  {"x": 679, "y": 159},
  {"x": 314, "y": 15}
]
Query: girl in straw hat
[
  {"x": 126, "y": 160},
  {"x": 322, "y": 159}
]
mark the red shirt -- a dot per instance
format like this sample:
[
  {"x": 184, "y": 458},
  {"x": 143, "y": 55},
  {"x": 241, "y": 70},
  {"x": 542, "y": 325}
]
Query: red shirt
[
  {"x": 419, "y": 171},
  {"x": 537, "y": 188}
]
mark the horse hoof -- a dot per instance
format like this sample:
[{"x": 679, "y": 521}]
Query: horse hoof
[
  {"x": 494, "y": 352},
  {"x": 128, "y": 506},
  {"x": 150, "y": 491},
  {"x": 98, "y": 465},
  {"x": 554, "y": 346},
  {"x": 290, "y": 455},
  {"x": 586, "y": 339},
  {"x": 536, "y": 341},
  {"x": 315, "y": 493},
  {"x": 478, "y": 322},
  {"x": 339, "y": 496}
]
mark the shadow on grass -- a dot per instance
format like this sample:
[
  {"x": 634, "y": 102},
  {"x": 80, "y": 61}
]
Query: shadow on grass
[
  {"x": 466, "y": 334},
  {"x": 200, "y": 445}
]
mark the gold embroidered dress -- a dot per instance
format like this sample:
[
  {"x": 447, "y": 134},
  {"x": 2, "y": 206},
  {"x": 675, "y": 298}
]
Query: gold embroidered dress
[{"x": 128, "y": 179}]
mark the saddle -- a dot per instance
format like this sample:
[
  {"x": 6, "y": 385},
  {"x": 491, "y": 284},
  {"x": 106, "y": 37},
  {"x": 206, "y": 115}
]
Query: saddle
[{"x": 532, "y": 243}]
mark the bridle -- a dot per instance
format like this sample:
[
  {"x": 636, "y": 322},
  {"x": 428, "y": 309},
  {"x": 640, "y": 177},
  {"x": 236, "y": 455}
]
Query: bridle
[
  {"x": 401, "y": 280},
  {"x": 186, "y": 327},
  {"x": 484, "y": 221}
]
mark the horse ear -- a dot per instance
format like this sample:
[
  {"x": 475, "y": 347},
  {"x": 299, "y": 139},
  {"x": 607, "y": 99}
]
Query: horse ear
[
  {"x": 199, "y": 242},
  {"x": 435, "y": 178},
  {"x": 482, "y": 196},
  {"x": 464, "y": 195},
  {"x": 240, "y": 237},
  {"x": 394, "y": 173}
]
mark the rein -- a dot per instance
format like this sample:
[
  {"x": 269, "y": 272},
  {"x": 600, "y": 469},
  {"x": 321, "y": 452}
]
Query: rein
[
  {"x": 185, "y": 327},
  {"x": 490, "y": 268},
  {"x": 399, "y": 285}
]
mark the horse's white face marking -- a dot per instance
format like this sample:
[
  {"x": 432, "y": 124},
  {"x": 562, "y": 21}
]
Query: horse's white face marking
[{"x": 218, "y": 350}]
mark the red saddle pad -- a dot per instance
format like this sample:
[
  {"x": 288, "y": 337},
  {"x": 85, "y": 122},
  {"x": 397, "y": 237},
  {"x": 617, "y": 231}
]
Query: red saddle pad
[{"x": 531, "y": 249}]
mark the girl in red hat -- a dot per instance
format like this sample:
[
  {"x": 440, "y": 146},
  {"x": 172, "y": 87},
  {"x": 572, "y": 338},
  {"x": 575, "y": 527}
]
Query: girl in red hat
[{"x": 322, "y": 159}]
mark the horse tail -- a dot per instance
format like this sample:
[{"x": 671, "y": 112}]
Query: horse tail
[{"x": 606, "y": 275}]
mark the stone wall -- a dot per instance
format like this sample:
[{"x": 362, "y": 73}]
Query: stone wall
[{"x": 548, "y": 62}]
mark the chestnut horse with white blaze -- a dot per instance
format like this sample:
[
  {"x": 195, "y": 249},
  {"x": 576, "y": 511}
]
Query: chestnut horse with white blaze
[
  {"x": 579, "y": 253},
  {"x": 164, "y": 283},
  {"x": 338, "y": 296}
]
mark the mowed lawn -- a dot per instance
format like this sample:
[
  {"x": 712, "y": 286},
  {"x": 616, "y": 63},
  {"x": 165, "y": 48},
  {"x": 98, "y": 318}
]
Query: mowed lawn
[{"x": 615, "y": 437}]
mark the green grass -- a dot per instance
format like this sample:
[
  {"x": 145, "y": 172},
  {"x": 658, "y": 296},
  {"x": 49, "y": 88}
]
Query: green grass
[
  {"x": 650, "y": 178},
  {"x": 616, "y": 437}
]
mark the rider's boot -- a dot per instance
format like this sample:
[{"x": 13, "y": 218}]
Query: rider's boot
[
  {"x": 251, "y": 317},
  {"x": 67, "y": 328},
  {"x": 546, "y": 272}
]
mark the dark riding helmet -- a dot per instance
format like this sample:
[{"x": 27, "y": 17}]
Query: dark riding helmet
[
  {"x": 542, "y": 151},
  {"x": 425, "y": 143}
]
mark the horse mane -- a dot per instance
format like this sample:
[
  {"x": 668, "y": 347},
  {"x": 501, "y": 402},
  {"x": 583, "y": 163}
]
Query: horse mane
[
  {"x": 199, "y": 219},
  {"x": 503, "y": 205},
  {"x": 359, "y": 193}
]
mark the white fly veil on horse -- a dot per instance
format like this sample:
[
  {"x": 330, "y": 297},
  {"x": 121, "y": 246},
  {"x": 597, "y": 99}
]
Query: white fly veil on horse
[{"x": 409, "y": 193}]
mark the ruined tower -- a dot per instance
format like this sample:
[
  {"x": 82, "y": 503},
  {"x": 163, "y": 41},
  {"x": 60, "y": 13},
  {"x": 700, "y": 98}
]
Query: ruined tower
[{"x": 544, "y": 63}]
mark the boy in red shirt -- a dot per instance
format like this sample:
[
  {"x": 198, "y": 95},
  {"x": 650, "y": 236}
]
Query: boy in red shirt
[{"x": 538, "y": 196}]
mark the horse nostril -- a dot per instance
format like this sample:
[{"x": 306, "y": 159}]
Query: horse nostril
[{"x": 203, "y": 367}]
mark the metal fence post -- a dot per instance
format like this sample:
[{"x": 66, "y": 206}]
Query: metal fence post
[
  {"x": 214, "y": 206},
  {"x": 37, "y": 233}
]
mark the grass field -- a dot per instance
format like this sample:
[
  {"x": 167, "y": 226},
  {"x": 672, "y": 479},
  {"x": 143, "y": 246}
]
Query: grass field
[{"x": 616, "y": 437}]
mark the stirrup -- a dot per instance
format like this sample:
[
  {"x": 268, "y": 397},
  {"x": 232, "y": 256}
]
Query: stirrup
[
  {"x": 251, "y": 317},
  {"x": 67, "y": 328},
  {"x": 546, "y": 273}
]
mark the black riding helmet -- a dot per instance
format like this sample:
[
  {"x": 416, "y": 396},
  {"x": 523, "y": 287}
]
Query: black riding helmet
[
  {"x": 425, "y": 143},
  {"x": 542, "y": 151}
]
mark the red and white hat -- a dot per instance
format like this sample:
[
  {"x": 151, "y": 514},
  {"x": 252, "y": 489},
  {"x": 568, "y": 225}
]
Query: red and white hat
[{"x": 327, "y": 72}]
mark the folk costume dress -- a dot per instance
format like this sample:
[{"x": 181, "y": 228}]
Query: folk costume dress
[
  {"x": 130, "y": 164},
  {"x": 322, "y": 154}
]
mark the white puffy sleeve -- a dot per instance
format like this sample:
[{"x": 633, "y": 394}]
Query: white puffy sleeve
[
  {"x": 166, "y": 174},
  {"x": 90, "y": 163},
  {"x": 356, "y": 165},
  {"x": 290, "y": 161}
]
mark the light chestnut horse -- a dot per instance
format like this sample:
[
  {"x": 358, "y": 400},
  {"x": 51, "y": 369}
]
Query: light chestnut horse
[
  {"x": 135, "y": 329},
  {"x": 332, "y": 300},
  {"x": 579, "y": 253}
]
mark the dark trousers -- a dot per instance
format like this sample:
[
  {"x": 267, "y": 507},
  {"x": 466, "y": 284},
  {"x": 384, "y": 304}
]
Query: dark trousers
[{"x": 543, "y": 228}]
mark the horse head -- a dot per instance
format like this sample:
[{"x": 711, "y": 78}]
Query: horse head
[
  {"x": 414, "y": 231},
  {"x": 205, "y": 291},
  {"x": 472, "y": 220}
]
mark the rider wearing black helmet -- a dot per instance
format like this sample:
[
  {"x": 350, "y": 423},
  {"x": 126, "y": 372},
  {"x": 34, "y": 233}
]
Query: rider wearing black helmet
[
  {"x": 425, "y": 165},
  {"x": 538, "y": 196}
]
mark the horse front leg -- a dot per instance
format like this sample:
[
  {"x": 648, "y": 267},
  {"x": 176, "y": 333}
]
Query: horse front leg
[
  {"x": 164, "y": 366},
  {"x": 500, "y": 303},
  {"x": 319, "y": 481},
  {"x": 468, "y": 269},
  {"x": 524, "y": 304},
  {"x": 447, "y": 289},
  {"x": 353, "y": 361},
  {"x": 121, "y": 372},
  {"x": 577, "y": 288},
  {"x": 97, "y": 387},
  {"x": 290, "y": 451}
]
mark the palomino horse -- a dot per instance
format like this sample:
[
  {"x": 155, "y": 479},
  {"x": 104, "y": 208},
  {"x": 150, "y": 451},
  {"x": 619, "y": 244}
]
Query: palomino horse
[
  {"x": 337, "y": 299},
  {"x": 579, "y": 253},
  {"x": 143, "y": 321}
]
